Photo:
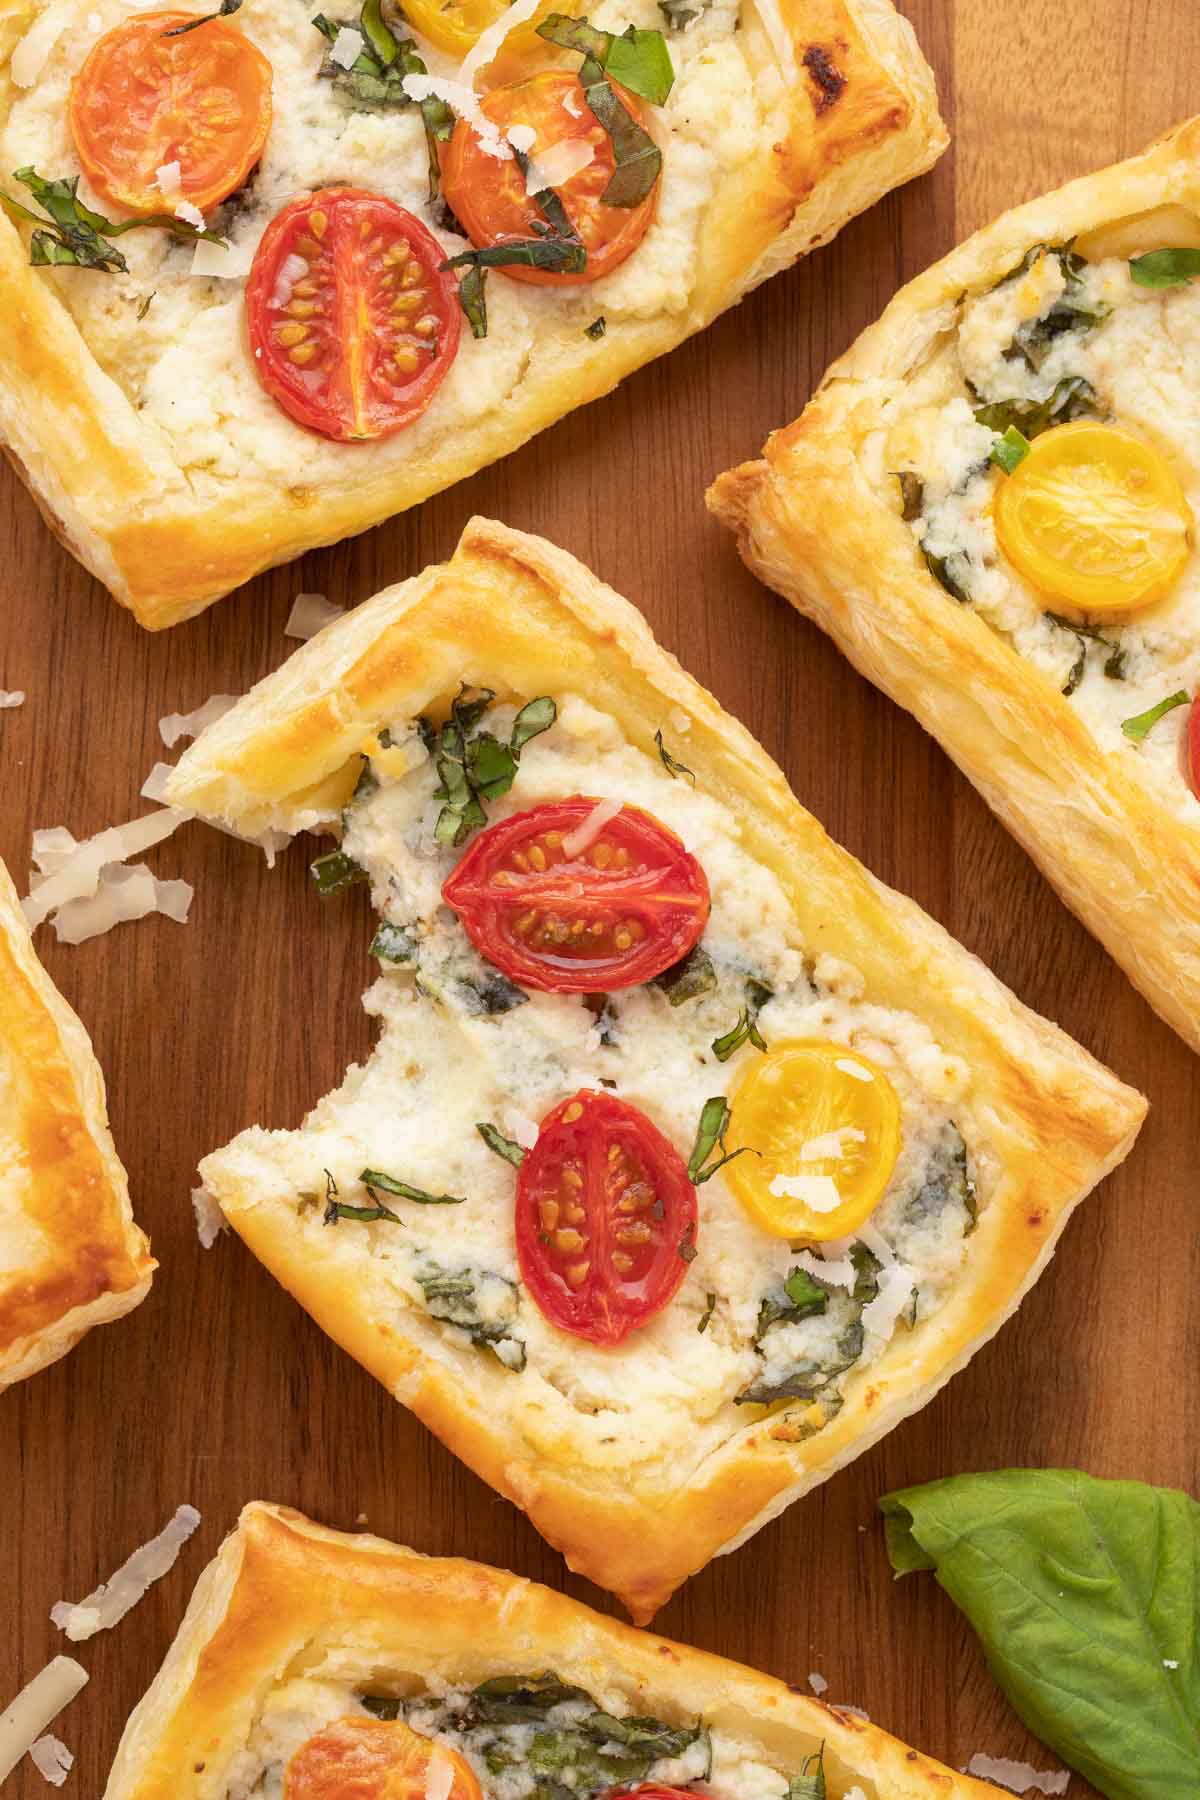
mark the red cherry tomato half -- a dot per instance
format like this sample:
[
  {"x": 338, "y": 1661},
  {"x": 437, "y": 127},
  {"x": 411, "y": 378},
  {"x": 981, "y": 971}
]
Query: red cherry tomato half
[
  {"x": 353, "y": 325},
  {"x": 1194, "y": 745},
  {"x": 605, "y": 1219},
  {"x": 491, "y": 198},
  {"x": 570, "y": 910}
]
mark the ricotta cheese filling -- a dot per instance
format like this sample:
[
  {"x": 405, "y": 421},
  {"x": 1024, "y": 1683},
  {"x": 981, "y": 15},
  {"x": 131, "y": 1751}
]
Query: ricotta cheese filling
[
  {"x": 1132, "y": 357},
  {"x": 460, "y": 1045},
  {"x": 171, "y": 332},
  {"x": 525, "y": 1738}
]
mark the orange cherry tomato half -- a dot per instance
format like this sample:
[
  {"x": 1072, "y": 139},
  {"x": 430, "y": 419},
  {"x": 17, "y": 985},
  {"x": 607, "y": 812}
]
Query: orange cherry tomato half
[
  {"x": 143, "y": 100},
  {"x": 353, "y": 324},
  {"x": 372, "y": 1759},
  {"x": 1194, "y": 745},
  {"x": 606, "y": 1218},
  {"x": 492, "y": 203},
  {"x": 563, "y": 906}
]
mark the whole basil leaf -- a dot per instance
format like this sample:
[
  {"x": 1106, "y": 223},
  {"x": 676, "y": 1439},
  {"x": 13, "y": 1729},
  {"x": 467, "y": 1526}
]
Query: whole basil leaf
[
  {"x": 1165, "y": 268},
  {"x": 1086, "y": 1598}
]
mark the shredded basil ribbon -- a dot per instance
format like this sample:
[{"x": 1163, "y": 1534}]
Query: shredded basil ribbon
[
  {"x": 671, "y": 763},
  {"x": 376, "y": 77},
  {"x": 71, "y": 234},
  {"x": 1140, "y": 726},
  {"x": 715, "y": 1115},
  {"x": 1009, "y": 452},
  {"x": 641, "y": 63},
  {"x": 375, "y": 1178},
  {"x": 223, "y": 11},
  {"x": 334, "y": 872},
  {"x": 508, "y": 1148}
]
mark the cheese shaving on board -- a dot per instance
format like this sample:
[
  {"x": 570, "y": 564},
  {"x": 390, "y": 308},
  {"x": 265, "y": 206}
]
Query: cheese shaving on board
[
  {"x": 1018, "y": 1777},
  {"x": 269, "y": 842},
  {"x": 488, "y": 44},
  {"x": 23, "y": 1722},
  {"x": 11, "y": 698},
  {"x": 78, "y": 877},
  {"x": 210, "y": 1220},
  {"x": 122, "y": 1591},
  {"x": 127, "y": 891},
  {"x": 180, "y": 725},
  {"x": 310, "y": 613},
  {"x": 51, "y": 1758}
]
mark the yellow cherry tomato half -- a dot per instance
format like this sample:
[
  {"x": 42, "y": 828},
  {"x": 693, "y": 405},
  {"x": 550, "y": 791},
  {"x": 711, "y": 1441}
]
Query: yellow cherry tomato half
[
  {"x": 826, "y": 1125},
  {"x": 1096, "y": 518},
  {"x": 454, "y": 25},
  {"x": 373, "y": 1759}
]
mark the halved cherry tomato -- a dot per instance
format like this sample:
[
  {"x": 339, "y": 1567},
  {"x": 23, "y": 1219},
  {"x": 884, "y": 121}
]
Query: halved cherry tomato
[
  {"x": 1095, "y": 517},
  {"x": 1194, "y": 745},
  {"x": 490, "y": 197},
  {"x": 454, "y": 25},
  {"x": 612, "y": 909},
  {"x": 606, "y": 1218},
  {"x": 817, "y": 1114},
  {"x": 353, "y": 324},
  {"x": 143, "y": 101},
  {"x": 372, "y": 1759}
]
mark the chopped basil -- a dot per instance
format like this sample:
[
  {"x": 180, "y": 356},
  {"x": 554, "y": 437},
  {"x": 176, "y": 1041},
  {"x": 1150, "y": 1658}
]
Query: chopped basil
[
  {"x": 558, "y": 254},
  {"x": 336, "y": 1209},
  {"x": 670, "y": 763},
  {"x": 394, "y": 944},
  {"x": 641, "y": 62},
  {"x": 710, "y": 1307},
  {"x": 680, "y": 13},
  {"x": 1009, "y": 452},
  {"x": 1165, "y": 268},
  {"x": 912, "y": 495},
  {"x": 1069, "y": 312},
  {"x": 1140, "y": 726},
  {"x": 381, "y": 1706},
  {"x": 638, "y": 60},
  {"x": 223, "y": 11},
  {"x": 1071, "y": 398},
  {"x": 943, "y": 568},
  {"x": 374, "y": 1178},
  {"x": 1114, "y": 662},
  {"x": 798, "y": 1297},
  {"x": 813, "y": 1377},
  {"x": 746, "y": 1030},
  {"x": 71, "y": 234},
  {"x": 946, "y": 1180},
  {"x": 475, "y": 766},
  {"x": 490, "y": 994},
  {"x": 334, "y": 872},
  {"x": 809, "y": 1784},
  {"x": 453, "y": 1297},
  {"x": 689, "y": 978},
  {"x": 596, "y": 329},
  {"x": 715, "y": 1115},
  {"x": 511, "y": 1151},
  {"x": 578, "y": 1756},
  {"x": 375, "y": 79}
]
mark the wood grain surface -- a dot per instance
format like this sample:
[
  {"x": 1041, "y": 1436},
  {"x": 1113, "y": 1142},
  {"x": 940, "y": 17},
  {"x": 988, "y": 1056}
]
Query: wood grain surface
[{"x": 219, "y": 1389}]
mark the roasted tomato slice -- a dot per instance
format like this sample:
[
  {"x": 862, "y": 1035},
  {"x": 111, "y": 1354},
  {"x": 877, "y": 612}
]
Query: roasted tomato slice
[
  {"x": 375, "y": 1759},
  {"x": 353, "y": 325},
  {"x": 455, "y": 25},
  {"x": 490, "y": 199},
  {"x": 574, "y": 899},
  {"x": 606, "y": 1218},
  {"x": 144, "y": 101},
  {"x": 1194, "y": 745}
]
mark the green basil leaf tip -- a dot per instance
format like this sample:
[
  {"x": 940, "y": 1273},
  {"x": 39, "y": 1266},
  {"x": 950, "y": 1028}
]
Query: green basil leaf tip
[
  {"x": 1165, "y": 268},
  {"x": 334, "y": 872},
  {"x": 508, "y": 1148},
  {"x": 1141, "y": 724},
  {"x": 1009, "y": 452},
  {"x": 1085, "y": 1595},
  {"x": 373, "y": 1179}
]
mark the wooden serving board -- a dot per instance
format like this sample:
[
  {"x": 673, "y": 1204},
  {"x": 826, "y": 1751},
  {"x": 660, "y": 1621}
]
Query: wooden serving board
[{"x": 219, "y": 1389}]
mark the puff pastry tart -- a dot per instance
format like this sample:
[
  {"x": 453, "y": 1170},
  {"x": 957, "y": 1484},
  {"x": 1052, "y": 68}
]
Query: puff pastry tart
[
  {"x": 990, "y": 504},
  {"x": 326, "y": 274},
  {"x": 70, "y": 1254},
  {"x": 689, "y": 1159},
  {"x": 313, "y": 1664}
]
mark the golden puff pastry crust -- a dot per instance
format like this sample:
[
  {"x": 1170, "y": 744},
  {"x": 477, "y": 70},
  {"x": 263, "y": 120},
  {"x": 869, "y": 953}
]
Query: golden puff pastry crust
[
  {"x": 513, "y": 613},
  {"x": 73, "y": 1257},
  {"x": 858, "y": 117},
  {"x": 286, "y": 1596},
  {"x": 1099, "y": 833}
]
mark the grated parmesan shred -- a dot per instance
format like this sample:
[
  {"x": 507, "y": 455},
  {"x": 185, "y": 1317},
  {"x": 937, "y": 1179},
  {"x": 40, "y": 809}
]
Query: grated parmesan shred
[
  {"x": 488, "y": 44},
  {"x": 10, "y": 698},
  {"x": 122, "y": 1591},
  {"x": 311, "y": 613},
  {"x": 51, "y": 1758},
  {"x": 818, "y": 1683},
  {"x": 79, "y": 874},
  {"x": 589, "y": 829},
  {"x": 465, "y": 102},
  {"x": 1018, "y": 1777},
  {"x": 210, "y": 1220},
  {"x": 26, "y": 1718}
]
